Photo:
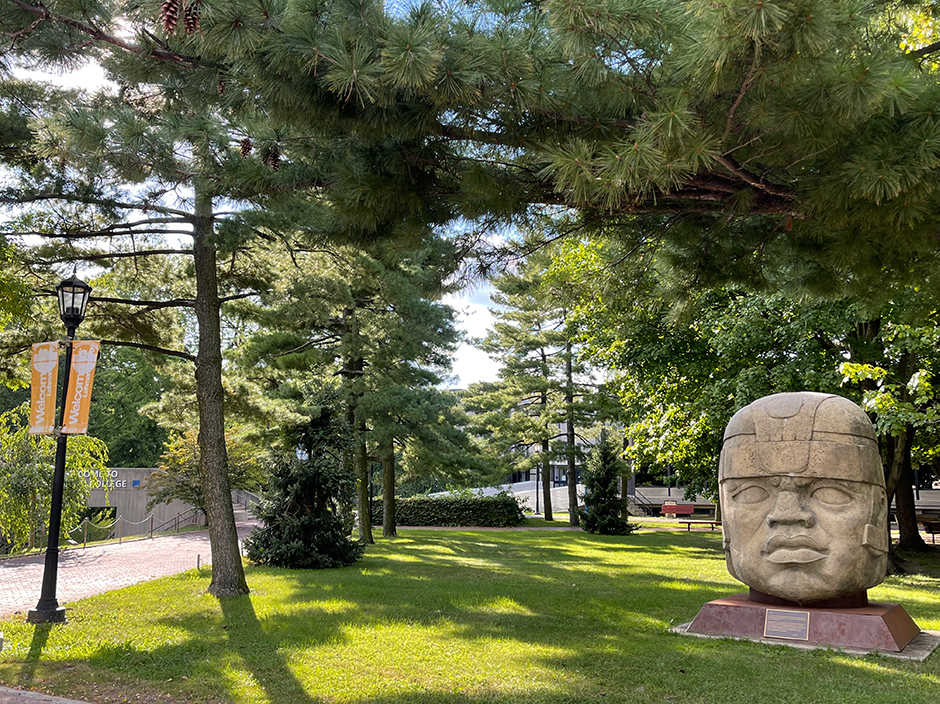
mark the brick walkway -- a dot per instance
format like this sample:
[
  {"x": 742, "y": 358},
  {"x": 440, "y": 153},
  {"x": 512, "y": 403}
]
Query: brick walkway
[{"x": 93, "y": 570}]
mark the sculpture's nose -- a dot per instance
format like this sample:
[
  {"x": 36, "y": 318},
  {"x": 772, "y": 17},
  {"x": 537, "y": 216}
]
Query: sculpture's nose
[{"x": 790, "y": 509}]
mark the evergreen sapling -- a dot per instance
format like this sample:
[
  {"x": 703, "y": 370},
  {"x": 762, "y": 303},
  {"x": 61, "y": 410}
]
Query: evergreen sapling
[
  {"x": 603, "y": 507},
  {"x": 304, "y": 527}
]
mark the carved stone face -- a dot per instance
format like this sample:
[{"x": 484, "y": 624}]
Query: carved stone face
[{"x": 802, "y": 495}]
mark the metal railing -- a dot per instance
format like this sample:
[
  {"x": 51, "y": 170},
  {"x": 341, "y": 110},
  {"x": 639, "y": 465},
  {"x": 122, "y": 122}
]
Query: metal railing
[
  {"x": 118, "y": 528},
  {"x": 644, "y": 503},
  {"x": 245, "y": 499},
  {"x": 191, "y": 517}
]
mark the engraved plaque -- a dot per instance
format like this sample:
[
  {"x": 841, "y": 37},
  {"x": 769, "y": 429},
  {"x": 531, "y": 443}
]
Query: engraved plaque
[{"x": 793, "y": 625}]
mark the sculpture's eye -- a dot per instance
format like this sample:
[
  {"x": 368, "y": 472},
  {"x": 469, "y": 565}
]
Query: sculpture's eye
[
  {"x": 752, "y": 494},
  {"x": 831, "y": 496}
]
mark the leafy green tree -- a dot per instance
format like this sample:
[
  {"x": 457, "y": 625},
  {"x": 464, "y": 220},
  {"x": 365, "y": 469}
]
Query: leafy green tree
[
  {"x": 304, "y": 525},
  {"x": 899, "y": 392},
  {"x": 681, "y": 374},
  {"x": 603, "y": 512},
  {"x": 126, "y": 381},
  {"x": 178, "y": 475},
  {"x": 26, "y": 463}
]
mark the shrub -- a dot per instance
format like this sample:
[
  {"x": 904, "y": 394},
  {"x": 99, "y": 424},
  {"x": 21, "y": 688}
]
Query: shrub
[
  {"x": 603, "y": 506},
  {"x": 459, "y": 509},
  {"x": 303, "y": 527}
]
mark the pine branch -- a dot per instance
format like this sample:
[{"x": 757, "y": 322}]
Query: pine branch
[
  {"x": 745, "y": 87},
  {"x": 238, "y": 296},
  {"x": 162, "y": 52},
  {"x": 99, "y": 234},
  {"x": 112, "y": 255},
  {"x": 924, "y": 50},
  {"x": 90, "y": 200},
  {"x": 311, "y": 343},
  {"x": 750, "y": 179},
  {"x": 151, "y": 348},
  {"x": 150, "y": 305}
]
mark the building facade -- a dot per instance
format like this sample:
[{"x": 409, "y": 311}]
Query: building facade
[{"x": 125, "y": 490}]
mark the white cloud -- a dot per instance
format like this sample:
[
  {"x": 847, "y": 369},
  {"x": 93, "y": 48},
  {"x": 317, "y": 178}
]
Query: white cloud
[
  {"x": 475, "y": 320},
  {"x": 89, "y": 76},
  {"x": 472, "y": 365}
]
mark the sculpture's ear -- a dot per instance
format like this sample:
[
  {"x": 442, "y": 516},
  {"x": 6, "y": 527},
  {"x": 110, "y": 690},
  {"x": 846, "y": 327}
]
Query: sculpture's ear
[
  {"x": 876, "y": 539},
  {"x": 876, "y": 532}
]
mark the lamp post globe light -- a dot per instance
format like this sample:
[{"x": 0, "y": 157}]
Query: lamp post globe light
[{"x": 73, "y": 294}]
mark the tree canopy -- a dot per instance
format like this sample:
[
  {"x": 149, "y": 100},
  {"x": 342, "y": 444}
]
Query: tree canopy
[
  {"x": 778, "y": 145},
  {"x": 801, "y": 132}
]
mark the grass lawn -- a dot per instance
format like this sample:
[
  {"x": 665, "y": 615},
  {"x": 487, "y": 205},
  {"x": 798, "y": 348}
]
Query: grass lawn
[{"x": 441, "y": 616}]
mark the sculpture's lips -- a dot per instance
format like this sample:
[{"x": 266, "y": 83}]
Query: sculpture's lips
[{"x": 799, "y": 549}]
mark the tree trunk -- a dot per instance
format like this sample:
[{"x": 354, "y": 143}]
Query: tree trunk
[
  {"x": 365, "y": 499},
  {"x": 547, "y": 480},
  {"x": 228, "y": 575},
  {"x": 353, "y": 367},
  {"x": 905, "y": 509},
  {"x": 546, "y": 450},
  {"x": 387, "y": 452},
  {"x": 900, "y": 479},
  {"x": 570, "y": 440},
  {"x": 627, "y": 483}
]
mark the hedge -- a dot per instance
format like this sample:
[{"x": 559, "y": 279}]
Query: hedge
[{"x": 499, "y": 511}]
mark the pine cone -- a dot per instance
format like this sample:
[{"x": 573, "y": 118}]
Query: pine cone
[
  {"x": 222, "y": 86},
  {"x": 246, "y": 147},
  {"x": 275, "y": 158},
  {"x": 170, "y": 14},
  {"x": 191, "y": 20},
  {"x": 272, "y": 158}
]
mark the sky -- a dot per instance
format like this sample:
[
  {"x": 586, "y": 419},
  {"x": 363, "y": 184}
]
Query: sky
[{"x": 474, "y": 319}]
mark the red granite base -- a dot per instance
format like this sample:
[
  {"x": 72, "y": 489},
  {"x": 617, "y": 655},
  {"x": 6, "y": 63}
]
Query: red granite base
[{"x": 878, "y": 626}]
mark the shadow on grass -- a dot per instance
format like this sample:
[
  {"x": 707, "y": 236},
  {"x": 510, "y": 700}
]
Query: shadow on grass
[
  {"x": 260, "y": 652},
  {"x": 584, "y": 619},
  {"x": 36, "y": 646}
]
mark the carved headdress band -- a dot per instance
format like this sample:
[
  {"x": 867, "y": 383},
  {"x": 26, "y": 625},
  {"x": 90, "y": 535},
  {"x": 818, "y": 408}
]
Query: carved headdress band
[{"x": 801, "y": 434}]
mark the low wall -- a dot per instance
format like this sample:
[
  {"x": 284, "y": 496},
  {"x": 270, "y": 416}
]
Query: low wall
[{"x": 124, "y": 489}]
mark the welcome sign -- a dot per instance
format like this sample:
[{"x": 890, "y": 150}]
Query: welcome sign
[
  {"x": 78, "y": 396},
  {"x": 45, "y": 375}
]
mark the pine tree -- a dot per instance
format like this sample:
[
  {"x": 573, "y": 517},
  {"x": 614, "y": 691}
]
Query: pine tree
[
  {"x": 739, "y": 132},
  {"x": 543, "y": 402},
  {"x": 372, "y": 318},
  {"x": 603, "y": 506},
  {"x": 116, "y": 157}
]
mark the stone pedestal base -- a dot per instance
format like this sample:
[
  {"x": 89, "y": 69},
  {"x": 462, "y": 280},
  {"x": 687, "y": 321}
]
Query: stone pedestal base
[{"x": 878, "y": 626}]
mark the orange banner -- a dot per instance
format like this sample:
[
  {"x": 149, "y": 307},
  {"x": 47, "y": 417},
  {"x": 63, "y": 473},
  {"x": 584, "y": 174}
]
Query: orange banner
[
  {"x": 43, "y": 388},
  {"x": 78, "y": 397}
]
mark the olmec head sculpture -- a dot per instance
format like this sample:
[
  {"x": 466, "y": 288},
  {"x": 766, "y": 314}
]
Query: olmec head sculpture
[{"x": 803, "y": 498}]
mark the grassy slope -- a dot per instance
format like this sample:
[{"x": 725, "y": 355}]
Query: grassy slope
[{"x": 440, "y": 617}]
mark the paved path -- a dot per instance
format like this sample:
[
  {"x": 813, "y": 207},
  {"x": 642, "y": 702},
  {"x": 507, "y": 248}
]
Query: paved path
[
  {"x": 22, "y": 696},
  {"x": 101, "y": 568}
]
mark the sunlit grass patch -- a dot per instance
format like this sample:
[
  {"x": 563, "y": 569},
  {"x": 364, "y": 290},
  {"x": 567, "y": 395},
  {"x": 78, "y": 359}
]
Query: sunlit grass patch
[{"x": 436, "y": 617}]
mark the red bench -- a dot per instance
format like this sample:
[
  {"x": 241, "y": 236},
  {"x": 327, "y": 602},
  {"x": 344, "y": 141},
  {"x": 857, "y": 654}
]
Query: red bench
[{"x": 678, "y": 509}]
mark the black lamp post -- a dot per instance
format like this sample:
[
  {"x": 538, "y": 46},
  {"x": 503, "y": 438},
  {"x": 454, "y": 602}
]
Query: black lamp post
[{"x": 73, "y": 296}]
